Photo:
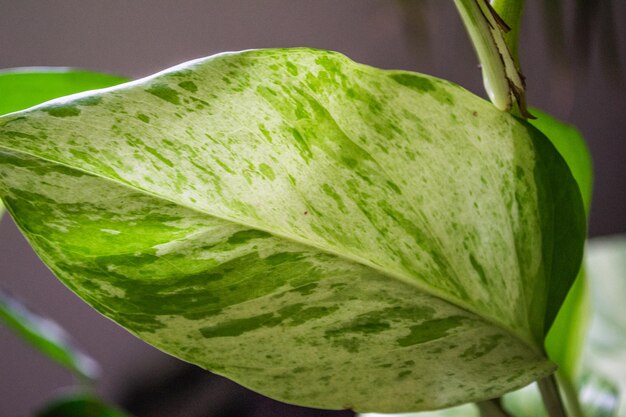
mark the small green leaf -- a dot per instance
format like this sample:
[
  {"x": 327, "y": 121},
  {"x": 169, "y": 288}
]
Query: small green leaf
[
  {"x": 79, "y": 405},
  {"x": 572, "y": 147},
  {"x": 46, "y": 336},
  {"x": 565, "y": 340},
  {"x": 326, "y": 233},
  {"x": 21, "y": 88}
]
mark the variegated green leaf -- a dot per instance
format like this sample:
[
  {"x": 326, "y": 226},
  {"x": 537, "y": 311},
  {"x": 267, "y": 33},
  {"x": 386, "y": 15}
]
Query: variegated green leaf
[
  {"x": 326, "y": 233},
  {"x": 21, "y": 88},
  {"x": 565, "y": 340}
]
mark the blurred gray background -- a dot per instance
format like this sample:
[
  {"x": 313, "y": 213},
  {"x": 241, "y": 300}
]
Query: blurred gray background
[{"x": 578, "y": 77}]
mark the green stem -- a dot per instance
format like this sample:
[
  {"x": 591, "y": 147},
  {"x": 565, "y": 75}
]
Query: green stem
[
  {"x": 572, "y": 404},
  {"x": 551, "y": 397},
  {"x": 491, "y": 408},
  {"x": 494, "y": 73},
  {"x": 501, "y": 77},
  {"x": 511, "y": 12}
]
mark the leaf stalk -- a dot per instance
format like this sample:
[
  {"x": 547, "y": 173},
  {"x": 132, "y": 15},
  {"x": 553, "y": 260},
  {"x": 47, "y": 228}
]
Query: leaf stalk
[
  {"x": 492, "y": 408},
  {"x": 551, "y": 396},
  {"x": 511, "y": 12},
  {"x": 501, "y": 77},
  {"x": 570, "y": 395}
]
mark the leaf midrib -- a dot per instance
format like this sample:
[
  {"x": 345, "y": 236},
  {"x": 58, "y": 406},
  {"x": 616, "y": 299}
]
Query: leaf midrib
[{"x": 392, "y": 273}]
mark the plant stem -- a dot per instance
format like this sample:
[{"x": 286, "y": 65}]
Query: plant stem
[
  {"x": 572, "y": 404},
  {"x": 492, "y": 408},
  {"x": 501, "y": 76},
  {"x": 494, "y": 73},
  {"x": 511, "y": 12},
  {"x": 551, "y": 396}
]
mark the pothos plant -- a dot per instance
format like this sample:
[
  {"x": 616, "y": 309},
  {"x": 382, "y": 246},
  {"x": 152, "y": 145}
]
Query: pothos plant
[{"x": 326, "y": 233}]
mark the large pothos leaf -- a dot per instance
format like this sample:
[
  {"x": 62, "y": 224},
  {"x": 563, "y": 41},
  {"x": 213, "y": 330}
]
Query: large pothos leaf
[
  {"x": 326, "y": 233},
  {"x": 21, "y": 88}
]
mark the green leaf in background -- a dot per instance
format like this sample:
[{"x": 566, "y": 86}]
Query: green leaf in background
[
  {"x": 323, "y": 232},
  {"x": 565, "y": 340},
  {"x": 572, "y": 147},
  {"x": 46, "y": 336},
  {"x": 21, "y": 88},
  {"x": 79, "y": 405}
]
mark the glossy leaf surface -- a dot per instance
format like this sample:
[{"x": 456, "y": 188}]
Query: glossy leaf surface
[
  {"x": 572, "y": 147},
  {"x": 323, "y": 232},
  {"x": 21, "y": 88},
  {"x": 566, "y": 338},
  {"x": 46, "y": 336}
]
